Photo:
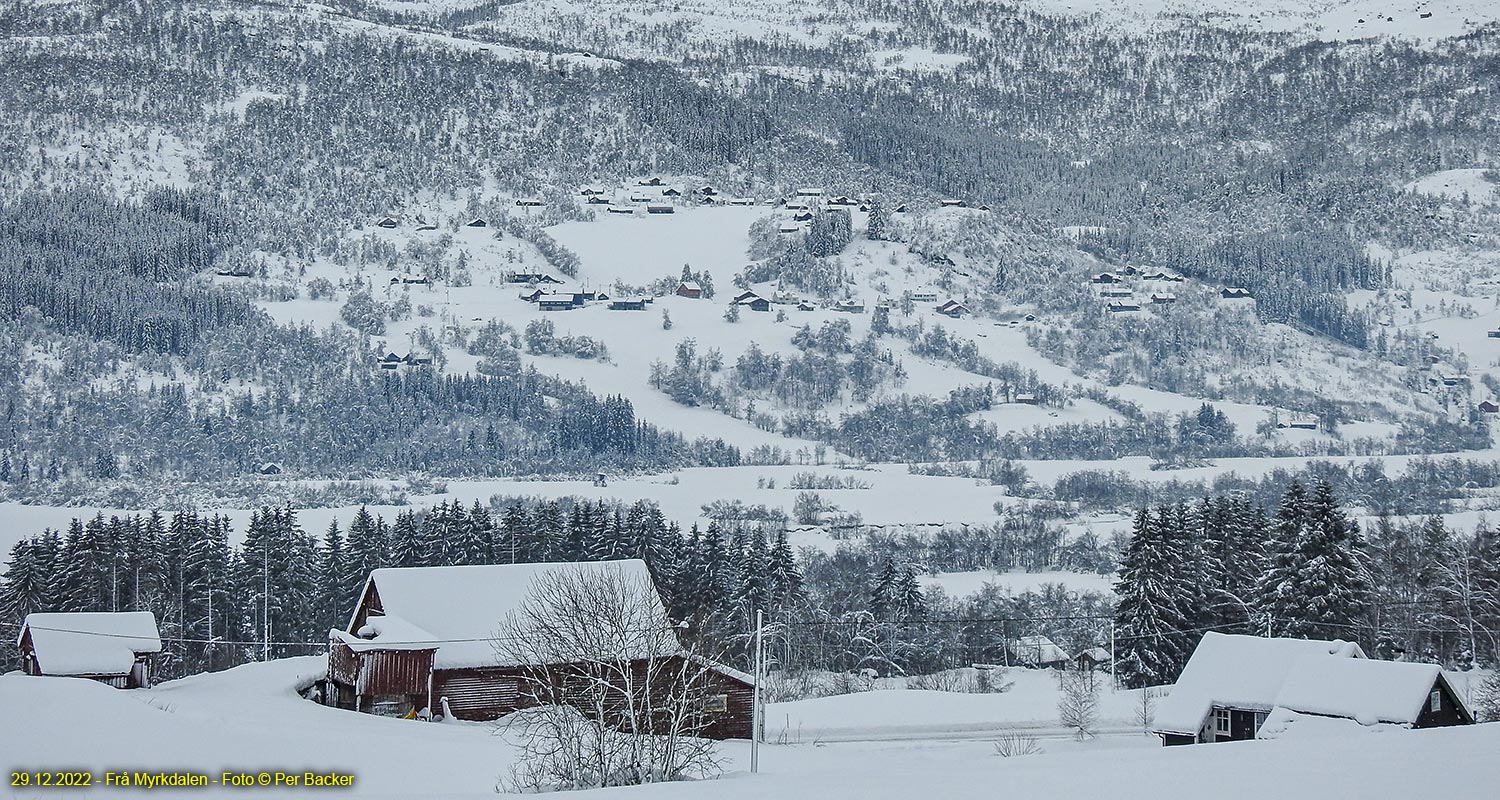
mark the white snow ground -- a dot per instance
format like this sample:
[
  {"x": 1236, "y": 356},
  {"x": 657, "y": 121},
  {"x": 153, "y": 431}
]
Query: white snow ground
[{"x": 248, "y": 720}]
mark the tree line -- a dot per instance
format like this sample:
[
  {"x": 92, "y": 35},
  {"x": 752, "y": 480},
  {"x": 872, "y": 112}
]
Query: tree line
[
  {"x": 279, "y": 591},
  {"x": 1409, "y": 590}
]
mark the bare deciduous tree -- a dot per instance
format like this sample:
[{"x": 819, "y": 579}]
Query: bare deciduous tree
[
  {"x": 614, "y": 698},
  {"x": 1078, "y": 701}
]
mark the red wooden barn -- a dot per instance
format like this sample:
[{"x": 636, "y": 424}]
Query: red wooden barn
[{"x": 424, "y": 638}]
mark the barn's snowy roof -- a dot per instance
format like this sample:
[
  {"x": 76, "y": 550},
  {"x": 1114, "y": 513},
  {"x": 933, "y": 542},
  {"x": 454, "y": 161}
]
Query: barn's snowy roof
[
  {"x": 1364, "y": 690},
  {"x": 1245, "y": 672},
  {"x": 90, "y": 643},
  {"x": 460, "y": 609},
  {"x": 1037, "y": 650},
  {"x": 1284, "y": 723}
]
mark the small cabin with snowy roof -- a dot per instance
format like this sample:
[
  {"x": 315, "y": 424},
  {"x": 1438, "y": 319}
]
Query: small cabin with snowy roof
[
  {"x": 1235, "y": 687},
  {"x": 952, "y": 308},
  {"x": 116, "y": 648},
  {"x": 424, "y": 637},
  {"x": 1038, "y": 652},
  {"x": 1092, "y": 659},
  {"x": 690, "y": 289}
]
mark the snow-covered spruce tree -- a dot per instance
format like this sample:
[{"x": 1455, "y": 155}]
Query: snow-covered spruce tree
[
  {"x": 1283, "y": 558},
  {"x": 1320, "y": 587},
  {"x": 366, "y": 549},
  {"x": 333, "y": 597},
  {"x": 1149, "y": 621}
]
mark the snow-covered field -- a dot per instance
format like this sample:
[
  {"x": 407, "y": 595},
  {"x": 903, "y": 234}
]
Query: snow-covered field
[{"x": 249, "y": 720}]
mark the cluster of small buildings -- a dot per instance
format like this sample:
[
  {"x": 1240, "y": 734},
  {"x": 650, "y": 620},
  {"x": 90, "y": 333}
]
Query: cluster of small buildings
[
  {"x": 1115, "y": 289},
  {"x": 391, "y": 361}
]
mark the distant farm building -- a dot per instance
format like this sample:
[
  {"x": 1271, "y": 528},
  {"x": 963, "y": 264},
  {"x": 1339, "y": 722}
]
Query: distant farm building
[
  {"x": 707, "y": 190},
  {"x": 410, "y": 279},
  {"x": 809, "y": 191},
  {"x": 952, "y": 308},
  {"x": 1027, "y": 399},
  {"x": 529, "y": 202},
  {"x": 477, "y": 222},
  {"x": 649, "y": 182},
  {"x": 1247, "y": 687},
  {"x": 1494, "y": 334},
  {"x": 614, "y": 209},
  {"x": 596, "y": 200},
  {"x": 660, "y": 208},
  {"x": 386, "y": 222},
  {"x": 802, "y": 216},
  {"x": 532, "y": 277},
  {"x": 423, "y": 638},
  {"x": 269, "y": 468},
  {"x": 1235, "y": 293},
  {"x": 628, "y": 304},
  {"x": 592, "y": 191},
  {"x": 850, "y": 306},
  {"x": 1162, "y": 298},
  {"x": 789, "y": 228},
  {"x": 952, "y": 203},
  {"x": 425, "y": 228},
  {"x": 1092, "y": 659},
  {"x": 1116, "y": 291},
  {"x": 1038, "y": 652},
  {"x": 1105, "y": 278},
  {"x": 689, "y": 289},
  {"x": 113, "y": 648},
  {"x": 1489, "y": 407},
  {"x": 390, "y": 361},
  {"x": 558, "y": 301},
  {"x": 671, "y": 192},
  {"x": 1123, "y": 306},
  {"x": 924, "y": 296}
]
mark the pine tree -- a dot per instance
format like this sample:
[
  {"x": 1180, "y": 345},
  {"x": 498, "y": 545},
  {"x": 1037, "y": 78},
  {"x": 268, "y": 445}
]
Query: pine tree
[
  {"x": 515, "y": 543},
  {"x": 752, "y": 593},
  {"x": 365, "y": 549},
  {"x": 1148, "y": 616},
  {"x": 785, "y": 584},
  {"x": 333, "y": 578},
  {"x": 25, "y": 587},
  {"x": 1274, "y": 596},
  {"x": 1327, "y": 590},
  {"x": 911, "y": 604},
  {"x": 883, "y": 601},
  {"x": 406, "y": 542}
]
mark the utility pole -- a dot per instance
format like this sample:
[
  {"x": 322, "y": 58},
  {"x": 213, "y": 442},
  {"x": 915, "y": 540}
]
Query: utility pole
[
  {"x": 756, "y": 707},
  {"x": 1114, "y": 681},
  {"x": 265, "y": 602}
]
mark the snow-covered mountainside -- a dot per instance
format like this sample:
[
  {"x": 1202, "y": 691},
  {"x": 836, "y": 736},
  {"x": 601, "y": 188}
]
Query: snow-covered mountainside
[{"x": 941, "y": 333}]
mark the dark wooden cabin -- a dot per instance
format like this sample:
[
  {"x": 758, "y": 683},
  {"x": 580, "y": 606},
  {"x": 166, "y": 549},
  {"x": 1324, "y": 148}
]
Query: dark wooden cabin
[{"x": 1247, "y": 687}]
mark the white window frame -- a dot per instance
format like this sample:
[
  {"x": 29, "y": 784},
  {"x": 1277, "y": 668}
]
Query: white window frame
[
  {"x": 1221, "y": 721},
  {"x": 1435, "y": 701}
]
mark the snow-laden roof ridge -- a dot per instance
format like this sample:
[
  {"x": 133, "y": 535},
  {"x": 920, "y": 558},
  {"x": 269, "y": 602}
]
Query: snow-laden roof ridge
[{"x": 1369, "y": 691}]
